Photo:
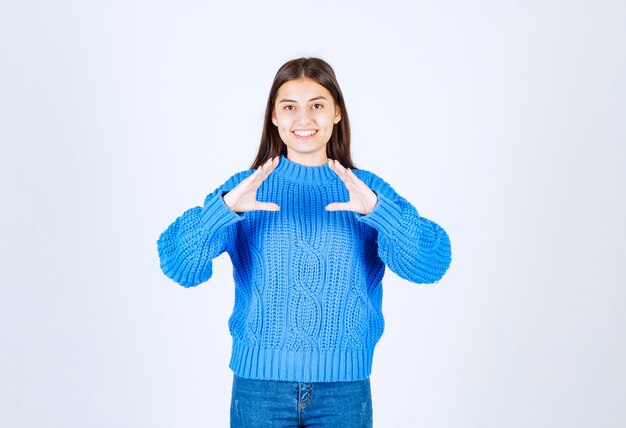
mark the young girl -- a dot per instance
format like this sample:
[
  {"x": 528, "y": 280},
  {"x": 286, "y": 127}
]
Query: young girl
[{"x": 309, "y": 236}]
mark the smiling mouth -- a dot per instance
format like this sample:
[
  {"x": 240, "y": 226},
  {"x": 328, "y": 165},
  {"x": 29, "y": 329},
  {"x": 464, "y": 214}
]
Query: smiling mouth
[{"x": 305, "y": 133}]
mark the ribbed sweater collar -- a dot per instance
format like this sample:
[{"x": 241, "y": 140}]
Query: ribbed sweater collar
[{"x": 298, "y": 173}]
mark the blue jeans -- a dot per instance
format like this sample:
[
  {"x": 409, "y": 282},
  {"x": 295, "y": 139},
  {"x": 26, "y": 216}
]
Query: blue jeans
[{"x": 267, "y": 403}]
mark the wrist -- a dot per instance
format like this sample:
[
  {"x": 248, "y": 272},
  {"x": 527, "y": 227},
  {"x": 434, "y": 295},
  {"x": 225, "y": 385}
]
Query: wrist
[
  {"x": 228, "y": 201},
  {"x": 373, "y": 201}
]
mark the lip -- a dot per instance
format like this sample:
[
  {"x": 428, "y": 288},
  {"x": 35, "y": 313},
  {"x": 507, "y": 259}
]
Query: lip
[{"x": 308, "y": 137}]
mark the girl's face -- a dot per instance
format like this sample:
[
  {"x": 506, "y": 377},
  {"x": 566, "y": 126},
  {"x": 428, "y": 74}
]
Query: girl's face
[{"x": 305, "y": 114}]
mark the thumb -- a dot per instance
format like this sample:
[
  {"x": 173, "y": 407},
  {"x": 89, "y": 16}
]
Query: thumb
[
  {"x": 266, "y": 206},
  {"x": 338, "y": 206}
]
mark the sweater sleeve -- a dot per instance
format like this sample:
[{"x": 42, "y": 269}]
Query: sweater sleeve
[
  {"x": 413, "y": 247},
  {"x": 188, "y": 246}
]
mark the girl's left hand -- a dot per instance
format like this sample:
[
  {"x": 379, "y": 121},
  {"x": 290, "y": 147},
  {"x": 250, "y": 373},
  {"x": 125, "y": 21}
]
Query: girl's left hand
[{"x": 362, "y": 199}]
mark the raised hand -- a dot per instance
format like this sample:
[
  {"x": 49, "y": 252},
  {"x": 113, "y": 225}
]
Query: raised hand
[
  {"x": 362, "y": 199},
  {"x": 243, "y": 196}
]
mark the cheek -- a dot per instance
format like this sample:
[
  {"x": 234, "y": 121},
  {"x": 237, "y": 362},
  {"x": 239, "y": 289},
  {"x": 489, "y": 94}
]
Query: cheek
[
  {"x": 284, "y": 127},
  {"x": 326, "y": 120},
  {"x": 282, "y": 121}
]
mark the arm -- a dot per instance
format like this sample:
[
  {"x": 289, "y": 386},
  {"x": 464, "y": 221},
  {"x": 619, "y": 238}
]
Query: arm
[
  {"x": 415, "y": 248},
  {"x": 188, "y": 246}
]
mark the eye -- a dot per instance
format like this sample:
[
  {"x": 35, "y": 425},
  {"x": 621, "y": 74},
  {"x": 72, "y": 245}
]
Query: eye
[
  {"x": 318, "y": 106},
  {"x": 288, "y": 107}
]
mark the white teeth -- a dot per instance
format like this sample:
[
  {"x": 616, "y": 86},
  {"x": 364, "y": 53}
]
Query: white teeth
[{"x": 304, "y": 133}]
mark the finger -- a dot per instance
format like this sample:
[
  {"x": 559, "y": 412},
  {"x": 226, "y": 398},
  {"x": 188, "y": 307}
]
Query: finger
[
  {"x": 264, "y": 171},
  {"x": 338, "y": 169},
  {"x": 339, "y": 206},
  {"x": 256, "y": 174},
  {"x": 267, "y": 169},
  {"x": 336, "y": 166},
  {"x": 360, "y": 184},
  {"x": 267, "y": 166},
  {"x": 270, "y": 166},
  {"x": 266, "y": 206},
  {"x": 350, "y": 179},
  {"x": 331, "y": 165},
  {"x": 345, "y": 173}
]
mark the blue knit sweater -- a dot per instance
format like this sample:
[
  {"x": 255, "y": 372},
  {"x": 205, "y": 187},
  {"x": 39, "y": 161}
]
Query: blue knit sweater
[{"x": 308, "y": 291}]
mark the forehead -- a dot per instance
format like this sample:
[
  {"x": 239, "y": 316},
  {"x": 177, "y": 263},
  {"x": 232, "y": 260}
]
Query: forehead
[{"x": 302, "y": 90}]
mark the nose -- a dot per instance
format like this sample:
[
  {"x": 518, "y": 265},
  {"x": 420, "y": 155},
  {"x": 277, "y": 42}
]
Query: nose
[{"x": 304, "y": 118}]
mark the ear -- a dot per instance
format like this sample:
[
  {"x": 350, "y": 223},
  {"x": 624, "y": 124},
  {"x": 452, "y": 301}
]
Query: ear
[
  {"x": 274, "y": 121},
  {"x": 337, "y": 114}
]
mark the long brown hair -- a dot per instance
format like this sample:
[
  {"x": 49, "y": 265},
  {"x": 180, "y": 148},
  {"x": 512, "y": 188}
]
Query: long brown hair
[{"x": 321, "y": 72}]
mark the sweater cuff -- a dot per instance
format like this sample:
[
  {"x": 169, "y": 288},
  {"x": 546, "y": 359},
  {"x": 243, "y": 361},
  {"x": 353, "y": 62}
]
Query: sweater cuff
[
  {"x": 385, "y": 217},
  {"x": 216, "y": 214}
]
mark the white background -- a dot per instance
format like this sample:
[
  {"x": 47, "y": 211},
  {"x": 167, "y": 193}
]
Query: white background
[{"x": 503, "y": 121}]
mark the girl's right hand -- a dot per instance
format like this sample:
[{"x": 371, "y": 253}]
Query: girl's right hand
[{"x": 242, "y": 197}]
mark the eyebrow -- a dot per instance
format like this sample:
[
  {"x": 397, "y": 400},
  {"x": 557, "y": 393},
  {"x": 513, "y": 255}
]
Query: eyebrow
[{"x": 312, "y": 99}]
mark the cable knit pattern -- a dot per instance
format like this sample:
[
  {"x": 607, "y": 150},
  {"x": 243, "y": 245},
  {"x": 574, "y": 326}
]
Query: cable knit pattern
[{"x": 308, "y": 282}]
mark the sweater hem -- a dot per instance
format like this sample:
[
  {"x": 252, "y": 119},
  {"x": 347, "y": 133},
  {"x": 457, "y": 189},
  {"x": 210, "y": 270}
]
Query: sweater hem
[{"x": 301, "y": 366}]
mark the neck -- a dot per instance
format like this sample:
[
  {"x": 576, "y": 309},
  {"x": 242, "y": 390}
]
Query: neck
[
  {"x": 305, "y": 174},
  {"x": 308, "y": 159}
]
